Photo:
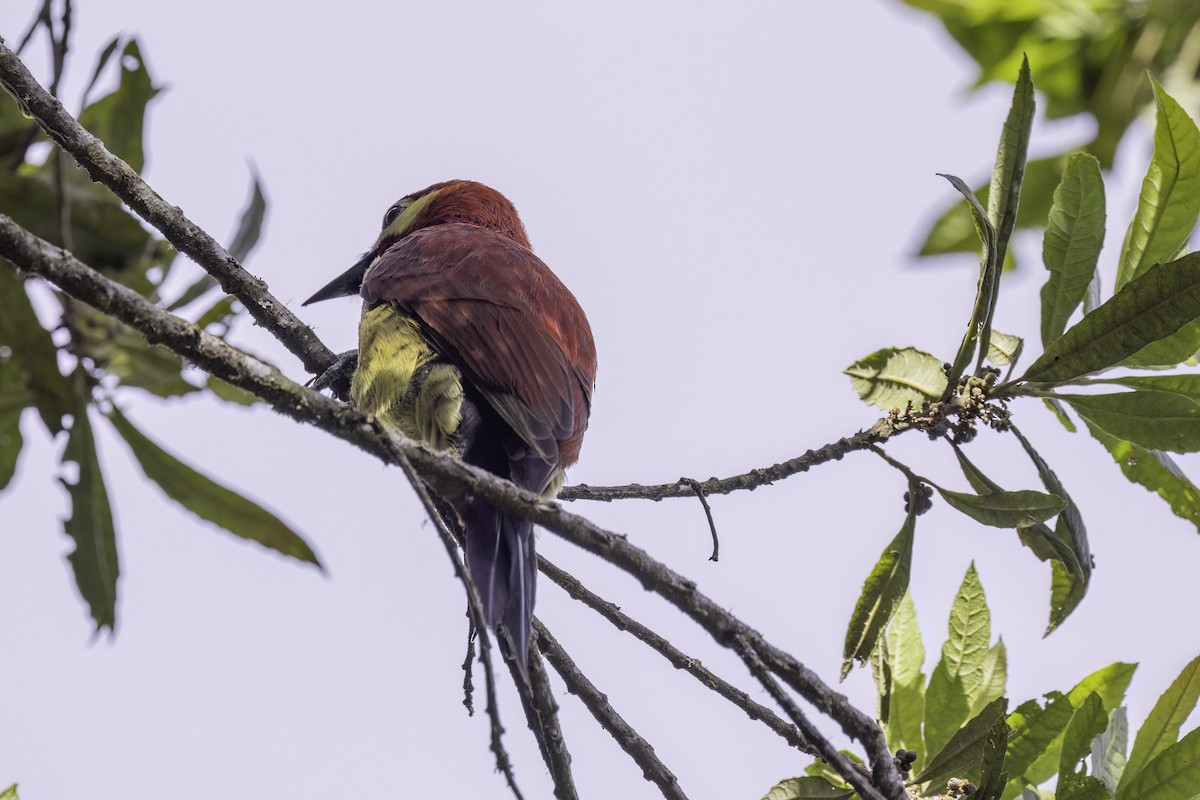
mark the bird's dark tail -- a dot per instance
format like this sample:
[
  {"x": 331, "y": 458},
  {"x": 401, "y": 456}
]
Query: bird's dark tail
[{"x": 503, "y": 567}]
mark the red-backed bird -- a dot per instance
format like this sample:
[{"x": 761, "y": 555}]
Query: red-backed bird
[{"x": 469, "y": 342}]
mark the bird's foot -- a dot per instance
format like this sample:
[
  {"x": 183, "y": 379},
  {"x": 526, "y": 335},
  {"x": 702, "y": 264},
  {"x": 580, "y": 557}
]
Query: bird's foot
[{"x": 337, "y": 378}]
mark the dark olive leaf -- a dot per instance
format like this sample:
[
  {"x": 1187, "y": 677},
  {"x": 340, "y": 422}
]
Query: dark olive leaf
[
  {"x": 94, "y": 559},
  {"x": 1170, "y": 201},
  {"x": 1033, "y": 729},
  {"x": 219, "y": 313},
  {"x": 101, "y": 63},
  {"x": 1089, "y": 721},
  {"x": 14, "y": 399},
  {"x": 981, "y": 483},
  {"x": 1152, "y": 306},
  {"x": 1004, "y": 194},
  {"x": 989, "y": 278},
  {"x": 208, "y": 499},
  {"x": 117, "y": 119},
  {"x": 1173, "y": 774},
  {"x": 1071, "y": 247},
  {"x": 1060, "y": 412},
  {"x": 807, "y": 788},
  {"x": 33, "y": 350},
  {"x": 1153, "y": 420},
  {"x": 1067, "y": 589},
  {"x": 202, "y": 286},
  {"x": 250, "y": 225},
  {"x": 992, "y": 775},
  {"x": 1156, "y": 472},
  {"x": 1108, "y": 750},
  {"x": 1162, "y": 726},
  {"x": 881, "y": 592},
  {"x": 964, "y": 753},
  {"x": 150, "y": 367},
  {"x": 895, "y": 377},
  {"x": 1005, "y": 509},
  {"x": 16, "y": 132}
]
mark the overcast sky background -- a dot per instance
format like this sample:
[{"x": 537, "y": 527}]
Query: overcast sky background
[{"x": 733, "y": 192}]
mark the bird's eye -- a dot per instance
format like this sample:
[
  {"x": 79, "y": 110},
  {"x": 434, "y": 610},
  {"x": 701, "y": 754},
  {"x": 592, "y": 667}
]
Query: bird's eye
[{"x": 392, "y": 213}]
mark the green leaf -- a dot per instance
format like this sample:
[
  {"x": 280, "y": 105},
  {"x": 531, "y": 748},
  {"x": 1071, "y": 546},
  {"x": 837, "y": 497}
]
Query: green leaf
[
  {"x": 101, "y": 62},
  {"x": 230, "y": 393},
  {"x": 1153, "y": 420},
  {"x": 1071, "y": 247},
  {"x": 200, "y": 287},
  {"x": 250, "y": 224},
  {"x": 117, "y": 119},
  {"x": 1184, "y": 385},
  {"x": 964, "y": 753},
  {"x": 954, "y": 233},
  {"x": 33, "y": 350},
  {"x": 958, "y": 677},
  {"x": 906, "y": 654},
  {"x": 1170, "y": 200},
  {"x": 1089, "y": 721},
  {"x": 1173, "y": 774},
  {"x": 1067, "y": 589},
  {"x": 208, "y": 499},
  {"x": 992, "y": 776},
  {"x": 94, "y": 559},
  {"x": 1034, "y": 728},
  {"x": 10, "y": 793},
  {"x": 1005, "y": 509},
  {"x": 894, "y": 377},
  {"x": 995, "y": 675},
  {"x": 1162, "y": 726},
  {"x": 1152, "y": 306},
  {"x": 14, "y": 399},
  {"x": 807, "y": 788},
  {"x": 989, "y": 279},
  {"x": 1108, "y": 751},
  {"x": 981, "y": 483},
  {"x": 1060, "y": 412},
  {"x": 1004, "y": 194},
  {"x": 881, "y": 674},
  {"x": 881, "y": 593},
  {"x": 1155, "y": 471},
  {"x": 1004, "y": 348}
]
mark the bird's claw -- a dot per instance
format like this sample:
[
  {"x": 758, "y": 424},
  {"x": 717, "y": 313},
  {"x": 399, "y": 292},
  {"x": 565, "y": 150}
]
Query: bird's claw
[{"x": 337, "y": 378}]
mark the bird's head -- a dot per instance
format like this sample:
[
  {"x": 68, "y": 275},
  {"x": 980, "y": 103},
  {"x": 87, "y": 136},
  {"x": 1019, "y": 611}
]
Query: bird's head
[{"x": 462, "y": 201}]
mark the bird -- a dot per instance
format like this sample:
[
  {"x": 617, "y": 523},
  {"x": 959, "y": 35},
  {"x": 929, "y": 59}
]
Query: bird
[{"x": 468, "y": 343}]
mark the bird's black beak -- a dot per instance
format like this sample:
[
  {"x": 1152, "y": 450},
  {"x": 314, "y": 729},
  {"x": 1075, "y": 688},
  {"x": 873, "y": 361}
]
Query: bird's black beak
[{"x": 346, "y": 284}]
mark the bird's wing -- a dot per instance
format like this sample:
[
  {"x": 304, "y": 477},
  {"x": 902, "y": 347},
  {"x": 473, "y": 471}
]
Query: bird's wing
[{"x": 499, "y": 314}]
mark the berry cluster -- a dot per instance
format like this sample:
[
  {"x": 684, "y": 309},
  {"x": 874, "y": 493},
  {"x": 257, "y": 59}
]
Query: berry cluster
[
  {"x": 904, "y": 760},
  {"x": 924, "y": 500},
  {"x": 960, "y": 788}
]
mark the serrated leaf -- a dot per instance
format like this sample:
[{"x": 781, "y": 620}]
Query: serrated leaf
[
  {"x": 1004, "y": 348},
  {"x": 881, "y": 593},
  {"x": 906, "y": 654},
  {"x": 1152, "y": 420},
  {"x": 1173, "y": 774},
  {"x": 995, "y": 675},
  {"x": 1170, "y": 200},
  {"x": 1034, "y": 729},
  {"x": 894, "y": 377},
  {"x": 1151, "y": 307},
  {"x": 964, "y": 752},
  {"x": 1072, "y": 244},
  {"x": 250, "y": 224},
  {"x": 208, "y": 499},
  {"x": 33, "y": 351},
  {"x": 90, "y": 526},
  {"x": 1108, "y": 751},
  {"x": 1005, "y": 509},
  {"x": 1156, "y": 472},
  {"x": 1162, "y": 726},
  {"x": 117, "y": 119},
  {"x": 958, "y": 677},
  {"x": 807, "y": 788},
  {"x": 989, "y": 278},
  {"x": 1088, "y": 722}
]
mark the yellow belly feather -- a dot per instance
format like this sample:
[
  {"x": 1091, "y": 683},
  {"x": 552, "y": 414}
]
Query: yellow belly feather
[{"x": 400, "y": 381}]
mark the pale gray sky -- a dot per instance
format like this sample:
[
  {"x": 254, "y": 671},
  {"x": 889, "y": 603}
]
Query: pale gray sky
[{"x": 733, "y": 191}]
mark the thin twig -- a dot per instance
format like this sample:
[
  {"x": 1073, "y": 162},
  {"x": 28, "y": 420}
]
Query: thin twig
[
  {"x": 844, "y": 766},
  {"x": 187, "y": 237},
  {"x": 597, "y": 703},
  {"x": 503, "y": 763},
  {"x": 541, "y": 710},
  {"x": 678, "y": 659},
  {"x": 468, "y": 674},
  {"x": 445, "y": 475},
  {"x": 712, "y": 526}
]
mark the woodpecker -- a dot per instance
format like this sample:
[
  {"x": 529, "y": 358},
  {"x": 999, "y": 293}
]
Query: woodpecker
[{"x": 469, "y": 343}]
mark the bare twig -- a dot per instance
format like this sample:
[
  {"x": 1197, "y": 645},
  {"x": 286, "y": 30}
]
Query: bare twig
[
  {"x": 677, "y": 658},
  {"x": 541, "y": 710},
  {"x": 712, "y": 526},
  {"x": 468, "y": 677},
  {"x": 187, "y": 237},
  {"x": 597, "y": 703}
]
